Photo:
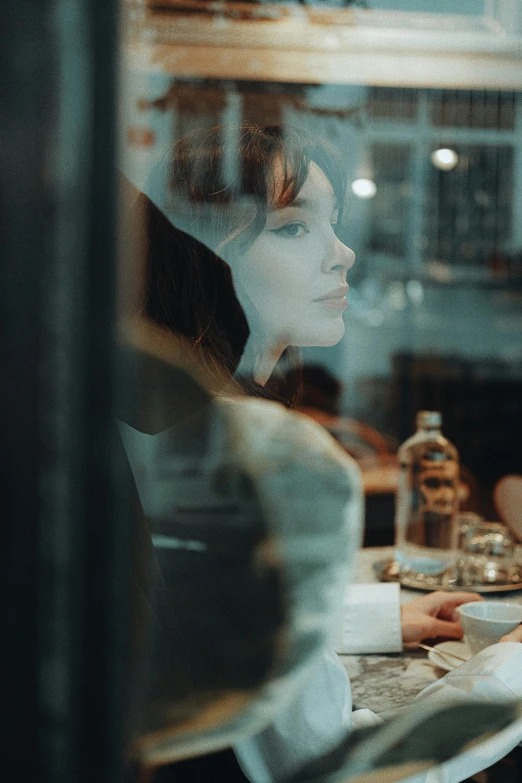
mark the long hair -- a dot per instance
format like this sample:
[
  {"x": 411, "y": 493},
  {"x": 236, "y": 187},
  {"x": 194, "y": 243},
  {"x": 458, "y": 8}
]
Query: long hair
[
  {"x": 189, "y": 292},
  {"x": 222, "y": 184}
]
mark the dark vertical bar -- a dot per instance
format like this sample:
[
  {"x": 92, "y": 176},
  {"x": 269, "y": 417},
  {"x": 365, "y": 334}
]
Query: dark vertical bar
[
  {"x": 64, "y": 579},
  {"x": 25, "y": 215}
]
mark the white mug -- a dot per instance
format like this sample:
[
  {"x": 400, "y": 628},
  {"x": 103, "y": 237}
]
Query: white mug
[{"x": 485, "y": 622}]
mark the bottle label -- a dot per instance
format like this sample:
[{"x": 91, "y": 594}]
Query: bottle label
[
  {"x": 427, "y": 501},
  {"x": 435, "y": 486}
]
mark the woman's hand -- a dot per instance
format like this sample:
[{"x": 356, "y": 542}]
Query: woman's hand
[
  {"x": 434, "y": 615},
  {"x": 514, "y": 636}
]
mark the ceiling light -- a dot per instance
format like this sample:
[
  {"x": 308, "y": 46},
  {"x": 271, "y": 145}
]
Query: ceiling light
[
  {"x": 444, "y": 159},
  {"x": 364, "y": 188}
]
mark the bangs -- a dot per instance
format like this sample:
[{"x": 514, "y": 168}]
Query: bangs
[
  {"x": 296, "y": 150},
  {"x": 282, "y": 191},
  {"x": 221, "y": 195}
]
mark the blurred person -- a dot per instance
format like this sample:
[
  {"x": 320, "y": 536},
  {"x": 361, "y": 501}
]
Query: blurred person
[{"x": 281, "y": 269}]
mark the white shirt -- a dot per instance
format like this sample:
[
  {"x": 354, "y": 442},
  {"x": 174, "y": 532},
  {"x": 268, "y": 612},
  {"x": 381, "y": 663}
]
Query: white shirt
[
  {"x": 297, "y": 473},
  {"x": 317, "y": 719}
]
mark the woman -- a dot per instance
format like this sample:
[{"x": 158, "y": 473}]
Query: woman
[
  {"x": 274, "y": 224},
  {"x": 271, "y": 210}
]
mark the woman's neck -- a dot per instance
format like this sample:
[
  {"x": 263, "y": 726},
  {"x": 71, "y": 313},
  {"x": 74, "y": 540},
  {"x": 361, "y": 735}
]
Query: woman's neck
[{"x": 260, "y": 362}]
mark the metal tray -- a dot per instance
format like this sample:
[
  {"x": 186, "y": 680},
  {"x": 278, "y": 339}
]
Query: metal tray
[{"x": 386, "y": 572}]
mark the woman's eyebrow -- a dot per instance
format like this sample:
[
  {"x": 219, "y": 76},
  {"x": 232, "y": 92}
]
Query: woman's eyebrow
[
  {"x": 305, "y": 203},
  {"x": 300, "y": 203}
]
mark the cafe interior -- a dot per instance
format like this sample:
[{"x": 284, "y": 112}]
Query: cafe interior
[{"x": 262, "y": 285}]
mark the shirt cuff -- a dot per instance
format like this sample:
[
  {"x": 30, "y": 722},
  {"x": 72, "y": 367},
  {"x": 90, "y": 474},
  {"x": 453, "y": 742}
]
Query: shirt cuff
[{"x": 371, "y": 619}]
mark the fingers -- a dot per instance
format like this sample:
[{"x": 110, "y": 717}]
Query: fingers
[
  {"x": 445, "y": 602},
  {"x": 437, "y": 627},
  {"x": 450, "y": 601},
  {"x": 514, "y": 636},
  {"x": 462, "y": 598},
  {"x": 456, "y": 599}
]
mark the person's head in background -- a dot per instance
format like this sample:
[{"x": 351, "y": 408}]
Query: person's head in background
[
  {"x": 267, "y": 200},
  {"x": 320, "y": 389}
]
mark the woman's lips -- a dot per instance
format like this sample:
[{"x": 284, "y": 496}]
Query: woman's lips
[
  {"x": 334, "y": 303},
  {"x": 336, "y": 299}
]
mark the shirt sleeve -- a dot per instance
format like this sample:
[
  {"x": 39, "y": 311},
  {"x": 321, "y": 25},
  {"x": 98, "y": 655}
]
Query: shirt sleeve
[
  {"x": 494, "y": 674},
  {"x": 311, "y": 725},
  {"x": 371, "y": 619}
]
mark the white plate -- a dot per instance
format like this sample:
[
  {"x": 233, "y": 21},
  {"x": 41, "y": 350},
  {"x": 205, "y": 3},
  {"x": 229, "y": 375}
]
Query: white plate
[{"x": 448, "y": 664}]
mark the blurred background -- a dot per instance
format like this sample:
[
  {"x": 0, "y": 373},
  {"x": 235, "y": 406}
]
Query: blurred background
[{"x": 434, "y": 215}]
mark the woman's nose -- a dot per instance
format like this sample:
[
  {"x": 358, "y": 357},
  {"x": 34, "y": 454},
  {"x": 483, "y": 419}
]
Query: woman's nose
[{"x": 341, "y": 259}]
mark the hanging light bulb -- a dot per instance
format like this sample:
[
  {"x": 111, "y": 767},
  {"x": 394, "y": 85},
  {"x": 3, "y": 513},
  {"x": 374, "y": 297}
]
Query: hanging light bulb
[
  {"x": 444, "y": 159},
  {"x": 364, "y": 187}
]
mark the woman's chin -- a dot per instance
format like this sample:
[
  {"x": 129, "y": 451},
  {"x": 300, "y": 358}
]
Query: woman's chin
[{"x": 325, "y": 337}]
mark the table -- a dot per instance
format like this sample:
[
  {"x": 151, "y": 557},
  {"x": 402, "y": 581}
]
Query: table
[{"x": 389, "y": 682}]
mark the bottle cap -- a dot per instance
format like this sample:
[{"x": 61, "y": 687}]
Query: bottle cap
[{"x": 427, "y": 419}]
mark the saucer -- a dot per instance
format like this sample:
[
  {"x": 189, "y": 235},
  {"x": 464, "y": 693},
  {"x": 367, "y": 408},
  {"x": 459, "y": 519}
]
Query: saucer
[{"x": 448, "y": 664}]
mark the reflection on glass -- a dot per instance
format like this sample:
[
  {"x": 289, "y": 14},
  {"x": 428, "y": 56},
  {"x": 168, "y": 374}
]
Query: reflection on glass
[
  {"x": 273, "y": 235},
  {"x": 470, "y": 209},
  {"x": 444, "y": 158},
  {"x": 389, "y": 219}
]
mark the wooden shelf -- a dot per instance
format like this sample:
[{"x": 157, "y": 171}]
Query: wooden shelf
[{"x": 300, "y": 44}]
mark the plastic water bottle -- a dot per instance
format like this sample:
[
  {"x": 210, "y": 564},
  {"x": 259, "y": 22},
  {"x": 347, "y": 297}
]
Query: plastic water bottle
[{"x": 427, "y": 500}]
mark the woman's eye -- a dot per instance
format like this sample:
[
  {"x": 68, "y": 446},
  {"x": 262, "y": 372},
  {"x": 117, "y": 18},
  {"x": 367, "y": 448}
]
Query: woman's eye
[{"x": 291, "y": 230}]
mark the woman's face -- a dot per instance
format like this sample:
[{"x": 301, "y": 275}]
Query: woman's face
[{"x": 292, "y": 280}]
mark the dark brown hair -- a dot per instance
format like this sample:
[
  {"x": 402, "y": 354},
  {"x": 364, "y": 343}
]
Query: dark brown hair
[
  {"x": 189, "y": 292},
  {"x": 222, "y": 185},
  {"x": 222, "y": 179}
]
